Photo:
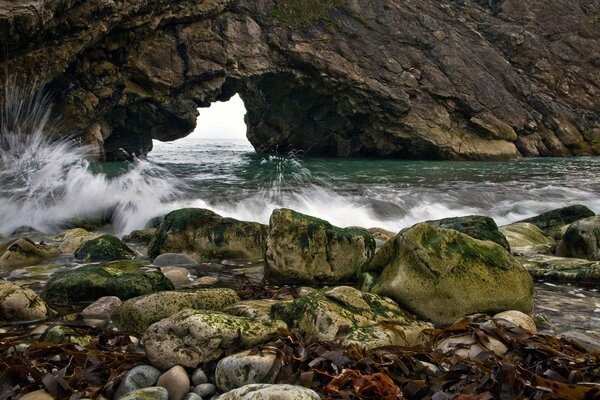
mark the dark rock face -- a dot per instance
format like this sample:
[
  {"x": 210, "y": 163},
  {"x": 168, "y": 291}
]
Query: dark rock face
[{"x": 415, "y": 79}]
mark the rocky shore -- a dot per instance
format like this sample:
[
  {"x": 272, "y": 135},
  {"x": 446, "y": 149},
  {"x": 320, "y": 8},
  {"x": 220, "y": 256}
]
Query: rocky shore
[{"x": 197, "y": 306}]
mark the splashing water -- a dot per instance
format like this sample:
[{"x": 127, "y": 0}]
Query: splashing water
[{"x": 45, "y": 180}]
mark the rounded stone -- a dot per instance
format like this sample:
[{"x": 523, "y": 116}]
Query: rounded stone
[
  {"x": 176, "y": 381},
  {"x": 20, "y": 304},
  {"x": 199, "y": 377},
  {"x": 192, "y": 396},
  {"x": 151, "y": 393},
  {"x": 205, "y": 389},
  {"x": 177, "y": 275},
  {"x": 243, "y": 368},
  {"x": 104, "y": 248},
  {"x": 101, "y": 308},
  {"x": 517, "y": 318},
  {"x": 270, "y": 392},
  {"x": 174, "y": 259},
  {"x": 37, "y": 395},
  {"x": 140, "y": 377}
]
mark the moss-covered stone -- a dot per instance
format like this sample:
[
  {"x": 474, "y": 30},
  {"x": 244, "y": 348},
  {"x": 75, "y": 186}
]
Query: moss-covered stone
[
  {"x": 526, "y": 237},
  {"x": 104, "y": 248},
  {"x": 137, "y": 314},
  {"x": 143, "y": 236},
  {"x": 301, "y": 248},
  {"x": 61, "y": 334},
  {"x": 69, "y": 241},
  {"x": 265, "y": 391},
  {"x": 553, "y": 222},
  {"x": 207, "y": 236},
  {"x": 561, "y": 269},
  {"x": 89, "y": 224},
  {"x": 443, "y": 275},
  {"x": 476, "y": 226},
  {"x": 20, "y": 304},
  {"x": 303, "y": 12},
  {"x": 191, "y": 337},
  {"x": 323, "y": 313},
  {"x": 581, "y": 240},
  {"x": 91, "y": 282},
  {"x": 24, "y": 252},
  {"x": 256, "y": 309}
]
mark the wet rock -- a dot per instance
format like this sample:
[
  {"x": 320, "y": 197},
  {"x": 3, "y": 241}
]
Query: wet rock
[
  {"x": 174, "y": 259},
  {"x": 143, "y": 236},
  {"x": 178, "y": 275},
  {"x": 442, "y": 275},
  {"x": 24, "y": 252},
  {"x": 61, "y": 334},
  {"x": 256, "y": 309},
  {"x": 517, "y": 318},
  {"x": 206, "y": 281},
  {"x": 92, "y": 282},
  {"x": 581, "y": 240},
  {"x": 323, "y": 314},
  {"x": 176, "y": 381},
  {"x": 73, "y": 239},
  {"x": 525, "y": 237},
  {"x": 589, "y": 340},
  {"x": 205, "y": 390},
  {"x": 151, "y": 393},
  {"x": 244, "y": 368},
  {"x": 199, "y": 377},
  {"x": 20, "y": 304},
  {"x": 102, "y": 308},
  {"x": 191, "y": 337},
  {"x": 476, "y": 226},
  {"x": 265, "y": 391},
  {"x": 192, "y": 396},
  {"x": 301, "y": 248},
  {"x": 137, "y": 314},
  {"x": 561, "y": 269},
  {"x": 140, "y": 377},
  {"x": 552, "y": 223},
  {"x": 104, "y": 248},
  {"x": 208, "y": 236}
]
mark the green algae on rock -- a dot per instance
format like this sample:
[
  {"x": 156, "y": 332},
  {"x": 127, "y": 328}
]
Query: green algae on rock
[
  {"x": 527, "y": 237},
  {"x": 89, "y": 283},
  {"x": 138, "y": 313},
  {"x": 191, "y": 337},
  {"x": 477, "y": 226},
  {"x": 581, "y": 240},
  {"x": 207, "y": 236},
  {"x": 20, "y": 304},
  {"x": 24, "y": 252},
  {"x": 104, "y": 248},
  {"x": 553, "y": 222},
  {"x": 443, "y": 275},
  {"x": 73, "y": 239},
  {"x": 301, "y": 248}
]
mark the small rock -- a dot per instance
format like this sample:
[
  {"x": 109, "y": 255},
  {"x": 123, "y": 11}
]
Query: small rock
[
  {"x": 270, "y": 392},
  {"x": 151, "y": 393},
  {"x": 199, "y": 377},
  {"x": 20, "y": 304},
  {"x": 192, "y": 396},
  {"x": 205, "y": 390},
  {"x": 102, "y": 308},
  {"x": 517, "y": 318},
  {"x": 104, "y": 248},
  {"x": 37, "y": 395},
  {"x": 143, "y": 236},
  {"x": 140, "y": 377},
  {"x": 61, "y": 334},
  {"x": 177, "y": 275},
  {"x": 174, "y": 259},
  {"x": 73, "y": 239},
  {"x": 207, "y": 281},
  {"x": 176, "y": 381},
  {"x": 243, "y": 368}
]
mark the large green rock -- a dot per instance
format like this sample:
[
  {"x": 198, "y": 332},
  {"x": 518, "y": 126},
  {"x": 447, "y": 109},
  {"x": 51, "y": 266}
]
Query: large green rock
[
  {"x": 322, "y": 314},
  {"x": 207, "y": 236},
  {"x": 552, "y": 223},
  {"x": 301, "y": 248},
  {"x": 581, "y": 240},
  {"x": 104, "y": 248},
  {"x": 24, "y": 252},
  {"x": 561, "y": 269},
  {"x": 443, "y": 275},
  {"x": 477, "y": 226},
  {"x": 526, "y": 237},
  {"x": 138, "y": 313},
  {"x": 91, "y": 282},
  {"x": 191, "y": 337}
]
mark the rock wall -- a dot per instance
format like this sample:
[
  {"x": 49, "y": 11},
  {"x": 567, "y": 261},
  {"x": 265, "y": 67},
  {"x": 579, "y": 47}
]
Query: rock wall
[{"x": 433, "y": 79}]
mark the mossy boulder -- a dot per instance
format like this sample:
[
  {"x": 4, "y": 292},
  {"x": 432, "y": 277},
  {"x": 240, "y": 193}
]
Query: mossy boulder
[
  {"x": 581, "y": 240},
  {"x": 191, "y": 337},
  {"x": 443, "y": 275},
  {"x": 527, "y": 237},
  {"x": 561, "y": 269},
  {"x": 141, "y": 236},
  {"x": 476, "y": 226},
  {"x": 324, "y": 313},
  {"x": 69, "y": 241},
  {"x": 205, "y": 236},
  {"x": 301, "y": 248},
  {"x": 138, "y": 313},
  {"x": 552, "y": 223},
  {"x": 91, "y": 282},
  {"x": 104, "y": 248},
  {"x": 20, "y": 304},
  {"x": 24, "y": 252},
  {"x": 89, "y": 224}
]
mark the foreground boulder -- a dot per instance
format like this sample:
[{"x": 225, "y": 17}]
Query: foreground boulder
[
  {"x": 264, "y": 391},
  {"x": 476, "y": 226},
  {"x": 20, "y": 304},
  {"x": 442, "y": 275},
  {"x": 191, "y": 337},
  {"x": 323, "y": 314},
  {"x": 561, "y": 269},
  {"x": 92, "y": 282},
  {"x": 207, "y": 236},
  {"x": 301, "y": 248},
  {"x": 138, "y": 313},
  {"x": 24, "y": 252},
  {"x": 581, "y": 240},
  {"x": 553, "y": 222},
  {"x": 527, "y": 237},
  {"x": 104, "y": 248}
]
